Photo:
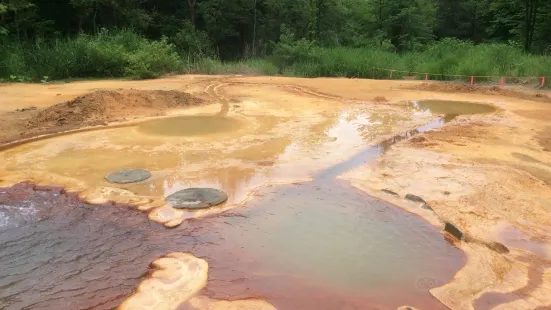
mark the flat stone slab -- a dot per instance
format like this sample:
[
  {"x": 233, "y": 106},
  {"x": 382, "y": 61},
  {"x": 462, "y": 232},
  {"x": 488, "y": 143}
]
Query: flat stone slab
[
  {"x": 454, "y": 231},
  {"x": 126, "y": 176},
  {"x": 196, "y": 198},
  {"x": 427, "y": 207},
  {"x": 388, "y": 191},
  {"x": 414, "y": 198}
]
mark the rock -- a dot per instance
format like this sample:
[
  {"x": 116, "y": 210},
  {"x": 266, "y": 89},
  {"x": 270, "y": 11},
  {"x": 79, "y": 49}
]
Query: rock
[
  {"x": 415, "y": 198},
  {"x": 454, "y": 231},
  {"x": 26, "y": 109},
  {"x": 265, "y": 163},
  {"x": 196, "y": 198},
  {"x": 497, "y": 247},
  {"x": 446, "y": 193},
  {"x": 492, "y": 245},
  {"x": 418, "y": 139},
  {"x": 126, "y": 176},
  {"x": 407, "y": 308},
  {"x": 427, "y": 207},
  {"x": 388, "y": 191},
  {"x": 176, "y": 278}
]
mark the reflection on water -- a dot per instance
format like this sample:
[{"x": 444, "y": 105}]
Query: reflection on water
[{"x": 14, "y": 216}]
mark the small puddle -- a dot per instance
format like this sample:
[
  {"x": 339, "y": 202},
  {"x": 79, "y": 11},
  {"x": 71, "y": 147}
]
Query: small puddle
[
  {"x": 190, "y": 125},
  {"x": 512, "y": 237},
  {"x": 452, "y": 109},
  {"x": 316, "y": 245}
]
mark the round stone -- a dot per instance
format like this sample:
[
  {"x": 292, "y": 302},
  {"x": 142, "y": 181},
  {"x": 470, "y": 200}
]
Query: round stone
[
  {"x": 126, "y": 176},
  {"x": 196, "y": 198}
]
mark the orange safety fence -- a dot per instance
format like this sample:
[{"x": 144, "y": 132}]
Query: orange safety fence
[{"x": 473, "y": 78}]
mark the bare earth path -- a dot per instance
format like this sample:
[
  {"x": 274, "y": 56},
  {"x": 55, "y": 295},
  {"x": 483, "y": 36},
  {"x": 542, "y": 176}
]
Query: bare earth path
[{"x": 489, "y": 175}]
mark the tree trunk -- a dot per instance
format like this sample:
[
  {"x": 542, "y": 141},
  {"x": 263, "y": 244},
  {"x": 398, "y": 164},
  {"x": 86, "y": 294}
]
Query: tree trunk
[
  {"x": 318, "y": 20},
  {"x": 380, "y": 22},
  {"x": 254, "y": 31},
  {"x": 95, "y": 15},
  {"x": 530, "y": 17},
  {"x": 16, "y": 25},
  {"x": 191, "y": 6}
]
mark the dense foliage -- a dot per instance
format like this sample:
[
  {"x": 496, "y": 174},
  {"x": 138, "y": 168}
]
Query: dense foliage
[{"x": 145, "y": 38}]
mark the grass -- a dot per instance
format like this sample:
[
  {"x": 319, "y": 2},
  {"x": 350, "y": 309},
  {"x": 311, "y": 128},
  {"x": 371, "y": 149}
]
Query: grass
[
  {"x": 444, "y": 60},
  {"x": 125, "y": 54},
  {"x": 245, "y": 67}
]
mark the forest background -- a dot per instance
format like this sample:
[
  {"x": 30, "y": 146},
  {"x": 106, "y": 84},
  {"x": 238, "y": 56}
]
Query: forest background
[{"x": 43, "y": 40}]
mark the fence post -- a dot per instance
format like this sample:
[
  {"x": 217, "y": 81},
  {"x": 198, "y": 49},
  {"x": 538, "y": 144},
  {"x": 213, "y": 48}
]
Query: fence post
[
  {"x": 472, "y": 79},
  {"x": 501, "y": 82},
  {"x": 426, "y": 78},
  {"x": 391, "y": 71},
  {"x": 542, "y": 81}
]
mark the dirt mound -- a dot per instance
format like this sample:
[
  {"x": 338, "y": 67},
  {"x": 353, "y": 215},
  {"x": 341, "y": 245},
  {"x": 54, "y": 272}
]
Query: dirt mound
[
  {"x": 105, "y": 106},
  {"x": 380, "y": 99},
  {"x": 492, "y": 90}
]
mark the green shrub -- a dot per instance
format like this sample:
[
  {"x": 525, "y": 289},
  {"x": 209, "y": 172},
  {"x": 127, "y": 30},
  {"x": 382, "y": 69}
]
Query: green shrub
[
  {"x": 152, "y": 60},
  {"x": 192, "y": 42},
  {"x": 107, "y": 54},
  {"x": 124, "y": 53},
  {"x": 290, "y": 50}
]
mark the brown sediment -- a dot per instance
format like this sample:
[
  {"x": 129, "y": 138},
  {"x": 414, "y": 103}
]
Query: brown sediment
[{"x": 109, "y": 106}]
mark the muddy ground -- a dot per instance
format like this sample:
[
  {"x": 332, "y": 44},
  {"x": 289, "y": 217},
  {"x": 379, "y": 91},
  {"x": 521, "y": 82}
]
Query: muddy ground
[{"x": 489, "y": 175}]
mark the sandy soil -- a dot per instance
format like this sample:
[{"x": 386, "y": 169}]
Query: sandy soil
[{"x": 489, "y": 175}]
